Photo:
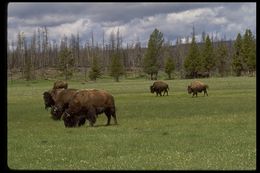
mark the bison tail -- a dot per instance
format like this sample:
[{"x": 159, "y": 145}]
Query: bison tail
[{"x": 207, "y": 86}]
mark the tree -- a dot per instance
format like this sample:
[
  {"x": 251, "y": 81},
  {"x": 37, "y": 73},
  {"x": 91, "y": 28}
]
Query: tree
[
  {"x": 221, "y": 58},
  {"x": 151, "y": 64},
  {"x": 208, "y": 59},
  {"x": 237, "y": 63},
  {"x": 66, "y": 63},
  {"x": 192, "y": 62},
  {"x": 116, "y": 68},
  {"x": 249, "y": 51},
  {"x": 28, "y": 63},
  {"x": 95, "y": 71},
  {"x": 169, "y": 66}
]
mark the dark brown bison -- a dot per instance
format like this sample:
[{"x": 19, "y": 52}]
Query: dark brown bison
[
  {"x": 197, "y": 86},
  {"x": 58, "y": 100},
  {"x": 158, "y": 87},
  {"x": 88, "y": 104},
  {"x": 60, "y": 84}
]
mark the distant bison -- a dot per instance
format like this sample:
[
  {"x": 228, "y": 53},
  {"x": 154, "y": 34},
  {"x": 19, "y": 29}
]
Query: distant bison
[
  {"x": 158, "y": 87},
  {"x": 58, "y": 100},
  {"x": 60, "y": 84},
  {"x": 87, "y": 104},
  {"x": 197, "y": 86},
  {"x": 203, "y": 74}
]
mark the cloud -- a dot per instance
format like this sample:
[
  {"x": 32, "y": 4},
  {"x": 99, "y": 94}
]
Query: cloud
[{"x": 134, "y": 20}]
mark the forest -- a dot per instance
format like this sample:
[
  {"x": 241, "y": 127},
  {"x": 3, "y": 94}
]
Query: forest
[{"x": 31, "y": 58}]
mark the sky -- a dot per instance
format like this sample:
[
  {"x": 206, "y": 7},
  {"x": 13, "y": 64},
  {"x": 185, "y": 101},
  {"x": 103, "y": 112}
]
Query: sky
[{"x": 135, "y": 21}]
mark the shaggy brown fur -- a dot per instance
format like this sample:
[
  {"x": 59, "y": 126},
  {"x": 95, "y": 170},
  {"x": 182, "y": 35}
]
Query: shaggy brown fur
[
  {"x": 60, "y": 84},
  {"x": 158, "y": 87},
  {"x": 61, "y": 102},
  {"x": 87, "y": 104},
  {"x": 197, "y": 86}
]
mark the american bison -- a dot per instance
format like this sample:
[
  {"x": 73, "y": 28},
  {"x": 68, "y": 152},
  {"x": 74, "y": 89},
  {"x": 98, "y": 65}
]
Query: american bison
[
  {"x": 197, "y": 86},
  {"x": 58, "y": 100},
  {"x": 158, "y": 87},
  {"x": 87, "y": 104},
  {"x": 60, "y": 84}
]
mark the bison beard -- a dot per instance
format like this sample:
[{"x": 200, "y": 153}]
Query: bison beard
[{"x": 87, "y": 105}]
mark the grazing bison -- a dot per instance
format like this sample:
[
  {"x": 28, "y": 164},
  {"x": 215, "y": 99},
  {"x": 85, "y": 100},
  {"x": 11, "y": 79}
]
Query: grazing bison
[
  {"x": 60, "y": 84},
  {"x": 87, "y": 104},
  {"x": 58, "y": 100},
  {"x": 197, "y": 86},
  {"x": 158, "y": 87}
]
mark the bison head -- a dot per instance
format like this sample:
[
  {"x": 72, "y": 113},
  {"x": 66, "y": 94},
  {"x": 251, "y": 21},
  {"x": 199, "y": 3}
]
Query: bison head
[
  {"x": 56, "y": 112},
  {"x": 152, "y": 89},
  {"x": 189, "y": 89},
  {"x": 48, "y": 100}
]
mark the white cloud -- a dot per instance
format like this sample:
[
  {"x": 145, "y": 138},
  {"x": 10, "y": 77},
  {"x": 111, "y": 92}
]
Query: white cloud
[{"x": 212, "y": 18}]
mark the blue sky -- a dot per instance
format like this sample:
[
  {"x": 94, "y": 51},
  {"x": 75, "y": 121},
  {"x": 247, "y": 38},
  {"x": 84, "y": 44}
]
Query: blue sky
[{"x": 135, "y": 21}]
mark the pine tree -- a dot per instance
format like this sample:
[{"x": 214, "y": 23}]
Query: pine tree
[
  {"x": 66, "y": 63},
  {"x": 221, "y": 58},
  {"x": 169, "y": 66},
  {"x": 249, "y": 51},
  {"x": 208, "y": 59},
  {"x": 95, "y": 69},
  {"x": 237, "y": 63},
  {"x": 116, "y": 68},
  {"x": 192, "y": 62},
  {"x": 150, "y": 63}
]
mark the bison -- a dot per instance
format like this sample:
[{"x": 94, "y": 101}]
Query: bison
[
  {"x": 88, "y": 104},
  {"x": 58, "y": 100},
  {"x": 60, "y": 84},
  {"x": 158, "y": 87},
  {"x": 197, "y": 86}
]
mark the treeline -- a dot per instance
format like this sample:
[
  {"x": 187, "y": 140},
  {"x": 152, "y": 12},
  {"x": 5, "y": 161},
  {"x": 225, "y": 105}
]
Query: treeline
[{"x": 184, "y": 60}]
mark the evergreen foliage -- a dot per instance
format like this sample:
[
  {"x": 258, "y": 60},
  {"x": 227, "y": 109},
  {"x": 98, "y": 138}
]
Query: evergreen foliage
[
  {"x": 150, "y": 63},
  {"x": 95, "y": 71},
  {"x": 66, "y": 63},
  {"x": 192, "y": 62},
  {"x": 116, "y": 68}
]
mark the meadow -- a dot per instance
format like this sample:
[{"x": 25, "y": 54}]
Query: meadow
[{"x": 175, "y": 132}]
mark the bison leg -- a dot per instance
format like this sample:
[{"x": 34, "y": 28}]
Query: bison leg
[
  {"x": 91, "y": 116},
  {"x": 82, "y": 120},
  {"x": 165, "y": 91},
  {"x": 113, "y": 112},
  {"x": 109, "y": 112},
  {"x": 205, "y": 92}
]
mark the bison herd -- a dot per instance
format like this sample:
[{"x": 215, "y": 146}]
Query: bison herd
[{"x": 75, "y": 106}]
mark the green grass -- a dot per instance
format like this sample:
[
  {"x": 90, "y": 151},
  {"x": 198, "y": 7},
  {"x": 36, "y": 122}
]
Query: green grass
[{"x": 175, "y": 132}]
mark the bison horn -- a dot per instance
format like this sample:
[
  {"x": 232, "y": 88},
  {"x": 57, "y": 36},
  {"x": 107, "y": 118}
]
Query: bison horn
[{"x": 67, "y": 114}]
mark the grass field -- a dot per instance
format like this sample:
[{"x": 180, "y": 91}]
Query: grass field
[{"x": 175, "y": 132}]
